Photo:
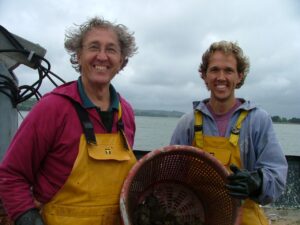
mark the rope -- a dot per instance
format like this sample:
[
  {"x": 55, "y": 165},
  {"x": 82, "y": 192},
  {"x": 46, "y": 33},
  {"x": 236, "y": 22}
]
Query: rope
[{"x": 24, "y": 92}]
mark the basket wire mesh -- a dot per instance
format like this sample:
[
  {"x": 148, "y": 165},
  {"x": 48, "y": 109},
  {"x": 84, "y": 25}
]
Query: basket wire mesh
[{"x": 186, "y": 181}]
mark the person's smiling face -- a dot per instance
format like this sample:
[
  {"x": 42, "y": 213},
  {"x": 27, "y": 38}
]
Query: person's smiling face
[
  {"x": 222, "y": 76},
  {"x": 100, "y": 58}
]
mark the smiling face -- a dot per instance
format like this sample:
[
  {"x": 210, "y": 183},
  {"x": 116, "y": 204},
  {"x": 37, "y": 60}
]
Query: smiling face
[
  {"x": 100, "y": 58},
  {"x": 222, "y": 77}
]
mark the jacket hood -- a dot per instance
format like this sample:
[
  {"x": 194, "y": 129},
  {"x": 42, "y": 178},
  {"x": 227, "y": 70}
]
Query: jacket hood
[
  {"x": 69, "y": 90},
  {"x": 201, "y": 105}
]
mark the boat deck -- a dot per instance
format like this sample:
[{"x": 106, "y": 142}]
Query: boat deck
[{"x": 283, "y": 216}]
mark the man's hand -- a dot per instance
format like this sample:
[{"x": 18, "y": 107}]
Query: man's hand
[
  {"x": 30, "y": 217},
  {"x": 244, "y": 184}
]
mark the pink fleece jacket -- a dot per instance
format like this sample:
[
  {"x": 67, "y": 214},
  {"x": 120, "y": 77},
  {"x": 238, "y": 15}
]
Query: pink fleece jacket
[{"x": 41, "y": 155}]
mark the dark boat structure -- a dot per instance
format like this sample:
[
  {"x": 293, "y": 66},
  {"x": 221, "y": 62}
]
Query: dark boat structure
[{"x": 15, "y": 50}]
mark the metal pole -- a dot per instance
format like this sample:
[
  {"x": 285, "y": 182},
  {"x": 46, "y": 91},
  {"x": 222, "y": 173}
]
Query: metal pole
[{"x": 8, "y": 113}]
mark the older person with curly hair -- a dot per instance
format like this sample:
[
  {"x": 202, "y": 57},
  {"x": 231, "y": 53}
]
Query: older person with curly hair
[{"x": 69, "y": 158}]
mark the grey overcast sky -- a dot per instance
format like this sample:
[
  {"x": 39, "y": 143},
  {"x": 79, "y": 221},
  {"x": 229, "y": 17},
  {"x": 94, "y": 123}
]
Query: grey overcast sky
[{"x": 171, "y": 36}]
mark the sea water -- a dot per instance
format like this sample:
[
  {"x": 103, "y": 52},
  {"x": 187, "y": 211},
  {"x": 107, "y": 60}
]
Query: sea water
[{"x": 155, "y": 132}]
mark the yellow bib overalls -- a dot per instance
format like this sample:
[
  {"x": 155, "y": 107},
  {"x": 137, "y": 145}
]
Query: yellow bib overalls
[
  {"x": 227, "y": 151},
  {"x": 91, "y": 193}
]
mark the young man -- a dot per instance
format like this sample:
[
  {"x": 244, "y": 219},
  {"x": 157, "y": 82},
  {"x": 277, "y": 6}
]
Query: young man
[
  {"x": 73, "y": 151},
  {"x": 235, "y": 131}
]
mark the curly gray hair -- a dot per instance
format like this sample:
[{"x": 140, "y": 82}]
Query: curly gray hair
[
  {"x": 75, "y": 36},
  {"x": 227, "y": 47}
]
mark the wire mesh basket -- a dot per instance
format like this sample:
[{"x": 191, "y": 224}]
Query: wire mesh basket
[{"x": 188, "y": 184}]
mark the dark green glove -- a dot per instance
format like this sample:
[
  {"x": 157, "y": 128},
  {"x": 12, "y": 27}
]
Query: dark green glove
[
  {"x": 244, "y": 184},
  {"x": 30, "y": 217}
]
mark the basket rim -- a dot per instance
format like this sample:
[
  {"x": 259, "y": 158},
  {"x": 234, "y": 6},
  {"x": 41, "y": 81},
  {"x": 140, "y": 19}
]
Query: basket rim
[{"x": 170, "y": 149}]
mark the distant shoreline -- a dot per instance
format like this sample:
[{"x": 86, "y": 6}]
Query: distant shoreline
[
  {"x": 157, "y": 113},
  {"x": 27, "y": 105}
]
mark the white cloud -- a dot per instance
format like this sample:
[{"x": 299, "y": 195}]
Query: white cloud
[{"x": 171, "y": 37}]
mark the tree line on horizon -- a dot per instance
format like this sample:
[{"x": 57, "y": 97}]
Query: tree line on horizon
[
  {"x": 278, "y": 119},
  {"x": 27, "y": 105}
]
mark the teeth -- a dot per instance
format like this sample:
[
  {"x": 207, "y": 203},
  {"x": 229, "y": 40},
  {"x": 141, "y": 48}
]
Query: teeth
[
  {"x": 100, "y": 68},
  {"x": 221, "y": 86}
]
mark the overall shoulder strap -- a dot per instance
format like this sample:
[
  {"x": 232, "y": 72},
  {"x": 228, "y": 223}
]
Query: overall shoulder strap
[
  {"x": 120, "y": 123},
  {"x": 121, "y": 127},
  {"x": 235, "y": 131},
  {"x": 87, "y": 126},
  {"x": 198, "y": 129}
]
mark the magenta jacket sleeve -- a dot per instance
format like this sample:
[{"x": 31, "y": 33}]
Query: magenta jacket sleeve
[{"x": 19, "y": 167}]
